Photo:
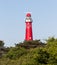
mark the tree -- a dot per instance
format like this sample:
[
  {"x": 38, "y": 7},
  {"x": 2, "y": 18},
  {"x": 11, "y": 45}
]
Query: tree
[
  {"x": 1, "y": 43},
  {"x": 51, "y": 48},
  {"x": 15, "y": 52}
]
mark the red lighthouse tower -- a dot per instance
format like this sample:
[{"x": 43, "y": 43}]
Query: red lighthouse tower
[{"x": 28, "y": 21}]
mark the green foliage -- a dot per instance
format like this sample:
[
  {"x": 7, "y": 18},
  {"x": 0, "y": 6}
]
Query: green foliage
[
  {"x": 52, "y": 50},
  {"x": 46, "y": 55},
  {"x": 32, "y": 42},
  {"x": 43, "y": 56},
  {"x": 1, "y": 43},
  {"x": 16, "y": 52}
]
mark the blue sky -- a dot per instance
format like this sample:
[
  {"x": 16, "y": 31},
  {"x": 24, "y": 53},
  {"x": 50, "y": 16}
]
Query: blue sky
[{"x": 12, "y": 19}]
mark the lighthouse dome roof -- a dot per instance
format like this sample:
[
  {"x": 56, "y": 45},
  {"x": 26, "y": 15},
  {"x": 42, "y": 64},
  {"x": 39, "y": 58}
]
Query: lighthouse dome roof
[{"x": 28, "y": 15}]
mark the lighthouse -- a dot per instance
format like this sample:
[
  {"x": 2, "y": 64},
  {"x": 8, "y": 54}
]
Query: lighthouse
[{"x": 28, "y": 30}]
